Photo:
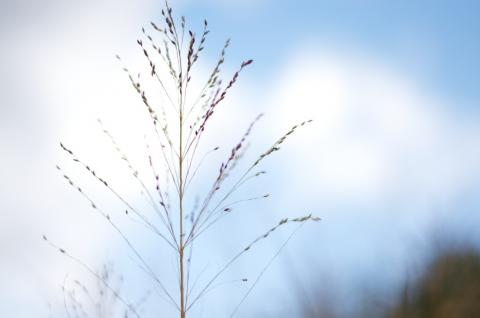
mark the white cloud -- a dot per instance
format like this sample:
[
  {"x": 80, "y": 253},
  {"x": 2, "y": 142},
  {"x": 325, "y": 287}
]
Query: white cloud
[
  {"x": 383, "y": 163},
  {"x": 376, "y": 134}
]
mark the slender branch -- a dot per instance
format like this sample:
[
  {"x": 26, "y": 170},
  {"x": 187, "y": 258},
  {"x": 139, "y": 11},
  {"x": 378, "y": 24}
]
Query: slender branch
[
  {"x": 117, "y": 229},
  {"x": 253, "y": 243},
  {"x": 265, "y": 268},
  {"x": 92, "y": 272}
]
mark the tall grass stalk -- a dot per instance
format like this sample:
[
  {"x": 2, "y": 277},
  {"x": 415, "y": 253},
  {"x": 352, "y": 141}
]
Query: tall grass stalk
[{"x": 179, "y": 125}]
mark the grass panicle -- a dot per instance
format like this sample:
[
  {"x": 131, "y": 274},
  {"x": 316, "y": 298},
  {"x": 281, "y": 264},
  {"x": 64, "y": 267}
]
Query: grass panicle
[{"x": 178, "y": 125}]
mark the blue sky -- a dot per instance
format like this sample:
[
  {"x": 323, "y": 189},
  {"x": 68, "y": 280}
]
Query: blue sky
[
  {"x": 390, "y": 163},
  {"x": 431, "y": 39}
]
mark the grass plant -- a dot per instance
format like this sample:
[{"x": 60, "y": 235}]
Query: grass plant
[{"x": 179, "y": 124}]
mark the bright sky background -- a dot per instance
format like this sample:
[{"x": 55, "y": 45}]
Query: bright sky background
[{"x": 391, "y": 161}]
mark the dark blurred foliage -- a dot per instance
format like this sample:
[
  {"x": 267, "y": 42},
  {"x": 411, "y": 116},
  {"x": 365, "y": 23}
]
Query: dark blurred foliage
[{"x": 448, "y": 287}]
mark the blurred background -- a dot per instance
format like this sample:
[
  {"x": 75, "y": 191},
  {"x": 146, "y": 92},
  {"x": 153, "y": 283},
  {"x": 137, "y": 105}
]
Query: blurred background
[{"x": 391, "y": 162}]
